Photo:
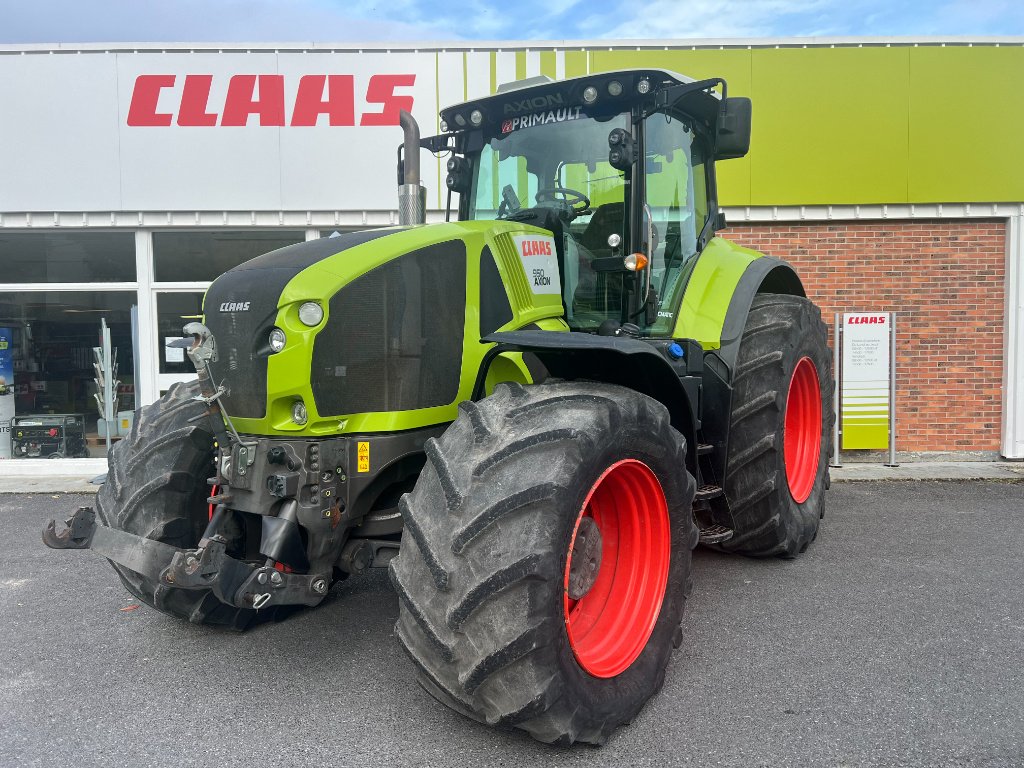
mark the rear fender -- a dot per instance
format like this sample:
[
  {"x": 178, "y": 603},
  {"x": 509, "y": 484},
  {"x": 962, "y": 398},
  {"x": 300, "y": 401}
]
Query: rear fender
[{"x": 763, "y": 275}]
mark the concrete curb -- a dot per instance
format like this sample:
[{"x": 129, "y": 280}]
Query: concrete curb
[
  {"x": 50, "y": 476},
  {"x": 931, "y": 470},
  {"x": 39, "y": 476}
]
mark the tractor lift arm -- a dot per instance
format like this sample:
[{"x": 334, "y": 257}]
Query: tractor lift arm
[{"x": 209, "y": 567}]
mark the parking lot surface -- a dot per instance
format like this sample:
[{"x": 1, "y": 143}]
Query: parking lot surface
[{"x": 897, "y": 639}]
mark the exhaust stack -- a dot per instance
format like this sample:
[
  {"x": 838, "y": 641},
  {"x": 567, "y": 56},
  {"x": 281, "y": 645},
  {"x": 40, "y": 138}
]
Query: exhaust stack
[{"x": 412, "y": 196}]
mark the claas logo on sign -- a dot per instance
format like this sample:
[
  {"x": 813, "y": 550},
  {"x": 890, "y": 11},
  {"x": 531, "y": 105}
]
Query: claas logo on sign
[
  {"x": 264, "y": 96},
  {"x": 872, "y": 320}
]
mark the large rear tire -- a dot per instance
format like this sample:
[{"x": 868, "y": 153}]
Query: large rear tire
[
  {"x": 156, "y": 488},
  {"x": 781, "y": 426},
  {"x": 546, "y": 559}
]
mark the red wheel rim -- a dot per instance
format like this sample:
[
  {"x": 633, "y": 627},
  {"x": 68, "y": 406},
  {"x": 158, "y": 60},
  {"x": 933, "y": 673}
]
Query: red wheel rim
[
  {"x": 610, "y": 625},
  {"x": 802, "y": 435}
]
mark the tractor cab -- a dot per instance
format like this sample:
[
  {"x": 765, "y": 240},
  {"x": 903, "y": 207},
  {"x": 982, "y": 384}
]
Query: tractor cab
[{"x": 618, "y": 167}]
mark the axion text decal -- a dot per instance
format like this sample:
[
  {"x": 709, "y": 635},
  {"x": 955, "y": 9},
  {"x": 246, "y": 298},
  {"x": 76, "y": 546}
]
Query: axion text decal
[
  {"x": 537, "y": 102},
  {"x": 551, "y": 116},
  {"x": 264, "y": 97}
]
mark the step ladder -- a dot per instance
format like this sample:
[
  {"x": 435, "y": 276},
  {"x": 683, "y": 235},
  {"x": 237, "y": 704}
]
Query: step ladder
[{"x": 709, "y": 531}]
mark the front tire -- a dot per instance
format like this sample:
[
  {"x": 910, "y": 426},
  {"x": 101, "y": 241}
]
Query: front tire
[
  {"x": 156, "y": 488},
  {"x": 780, "y": 430},
  {"x": 509, "y": 615}
]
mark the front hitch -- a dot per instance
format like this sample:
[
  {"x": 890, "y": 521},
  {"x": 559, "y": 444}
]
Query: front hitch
[
  {"x": 78, "y": 533},
  {"x": 232, "y": 581}
]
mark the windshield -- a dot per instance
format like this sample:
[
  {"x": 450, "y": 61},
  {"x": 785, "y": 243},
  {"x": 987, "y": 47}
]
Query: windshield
[
  {"x": 554, "y": 173},
  {"x": 551, "y": 170}
]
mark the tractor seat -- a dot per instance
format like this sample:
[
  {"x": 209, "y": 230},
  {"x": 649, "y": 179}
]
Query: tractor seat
[{"x": 606, "y": 220}]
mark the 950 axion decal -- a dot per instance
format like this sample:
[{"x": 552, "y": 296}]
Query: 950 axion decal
[{"x": 540, "y": 263}]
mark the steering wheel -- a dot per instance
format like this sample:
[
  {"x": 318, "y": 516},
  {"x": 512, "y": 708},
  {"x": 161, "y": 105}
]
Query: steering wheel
[{"x": 574, "y": 201}]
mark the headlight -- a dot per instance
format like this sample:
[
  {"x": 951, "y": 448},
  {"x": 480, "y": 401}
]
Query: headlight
[
  {"x": 277, "y": 339},
  {"x": 590, "y": 94},
  {"x": 444, "y": 127},
  {"x": 299, "y": 414},
  {"x": 311, "y": 313},
  {"x": 614, "y": 88},
  {"x": 476, "y": 117}
]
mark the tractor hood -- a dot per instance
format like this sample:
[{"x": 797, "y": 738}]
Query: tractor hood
[
  {"x": 392, "y": 342},
  {"x": 241, "y": 308}
]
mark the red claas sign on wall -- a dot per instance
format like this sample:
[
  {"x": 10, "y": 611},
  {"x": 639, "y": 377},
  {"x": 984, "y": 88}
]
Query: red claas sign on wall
[{"x": 263, "y": 96}]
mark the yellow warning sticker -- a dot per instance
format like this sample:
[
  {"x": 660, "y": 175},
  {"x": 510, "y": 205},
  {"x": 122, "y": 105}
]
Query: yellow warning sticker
[{"x": 363, "y": 457}]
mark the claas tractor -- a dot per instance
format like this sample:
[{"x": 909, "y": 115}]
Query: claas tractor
[{"x": 530, "y": 413}]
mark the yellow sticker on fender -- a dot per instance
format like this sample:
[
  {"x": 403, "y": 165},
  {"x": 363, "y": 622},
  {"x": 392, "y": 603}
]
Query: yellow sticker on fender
[{"x": 363, "y": 457}]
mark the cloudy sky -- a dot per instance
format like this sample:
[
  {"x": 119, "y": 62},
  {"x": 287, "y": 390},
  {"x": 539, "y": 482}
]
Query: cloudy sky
[{"x": 49, "y": 21}]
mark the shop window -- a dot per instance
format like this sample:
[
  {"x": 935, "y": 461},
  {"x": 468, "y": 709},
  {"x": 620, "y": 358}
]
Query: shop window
[
  {"x": 49, "y": 370},
  {"x": 197, "y": 257},
  {"x": 67, "y": 257},
  {"x": 173, "y": 311}
]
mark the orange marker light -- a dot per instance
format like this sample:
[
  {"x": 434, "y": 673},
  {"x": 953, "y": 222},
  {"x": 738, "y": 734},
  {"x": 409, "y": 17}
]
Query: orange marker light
[{"x": 635, "y": 262}]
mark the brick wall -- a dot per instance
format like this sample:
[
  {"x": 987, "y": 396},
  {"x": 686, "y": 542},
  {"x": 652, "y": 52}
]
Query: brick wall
[{"x": 946, "y": 280}]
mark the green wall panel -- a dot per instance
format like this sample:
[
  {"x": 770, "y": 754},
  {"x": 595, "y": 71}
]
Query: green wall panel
[
  {"x": 575, "y": 63},
  {"x": 830, "y": 126},
  {"x": 547, "y": 63},
  {"x": 967, "y": 124},
  {"x": 871, "y": 124}
]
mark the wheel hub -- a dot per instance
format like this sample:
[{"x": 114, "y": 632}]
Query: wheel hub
[{"x": 586, "y": 559}]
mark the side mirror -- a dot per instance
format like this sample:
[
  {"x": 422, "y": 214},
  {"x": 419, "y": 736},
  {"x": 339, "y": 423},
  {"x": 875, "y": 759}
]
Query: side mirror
[{"x": 732, "y": 137}]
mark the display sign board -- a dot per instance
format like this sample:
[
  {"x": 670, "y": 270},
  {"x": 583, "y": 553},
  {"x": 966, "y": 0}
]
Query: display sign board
[
  {"x": 207, "y": 130},
  {"x": 866, "y": 367},
  {"x": 6, "y": 391}
]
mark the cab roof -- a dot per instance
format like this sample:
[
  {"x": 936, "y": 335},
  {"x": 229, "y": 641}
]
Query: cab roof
[{"x": 606, "y": 91}]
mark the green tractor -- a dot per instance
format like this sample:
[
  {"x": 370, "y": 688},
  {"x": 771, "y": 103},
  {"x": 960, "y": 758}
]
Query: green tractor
[{"x": 531, "y": 414}]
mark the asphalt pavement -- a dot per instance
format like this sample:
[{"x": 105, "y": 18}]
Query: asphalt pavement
[{"x": 896, "y": 640}]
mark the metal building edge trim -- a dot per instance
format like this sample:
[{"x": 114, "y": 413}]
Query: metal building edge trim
[
  {"x": 325, "y": 219},
  {"x": 1012, "y": 438},
  {"x": 455, "y": 46}
]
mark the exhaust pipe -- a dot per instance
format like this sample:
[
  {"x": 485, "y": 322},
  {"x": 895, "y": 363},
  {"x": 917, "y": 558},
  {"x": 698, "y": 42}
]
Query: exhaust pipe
[{"x": 412, "y": 196}]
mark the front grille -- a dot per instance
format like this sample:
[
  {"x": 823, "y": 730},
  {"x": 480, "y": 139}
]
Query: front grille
[{"x": 393, "y": 341}]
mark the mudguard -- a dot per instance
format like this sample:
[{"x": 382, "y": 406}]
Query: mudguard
[
  {"x": 761, "y": 274},
  {"x": 644, "y": 366}
]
